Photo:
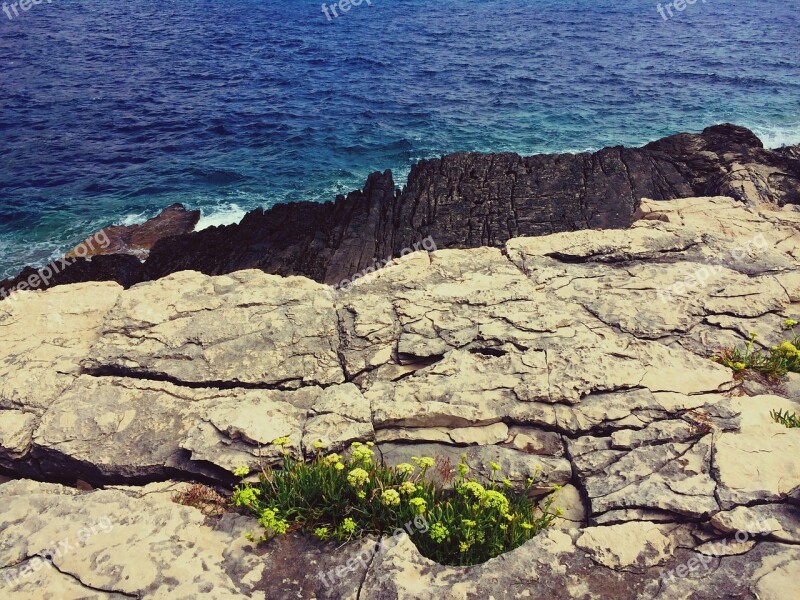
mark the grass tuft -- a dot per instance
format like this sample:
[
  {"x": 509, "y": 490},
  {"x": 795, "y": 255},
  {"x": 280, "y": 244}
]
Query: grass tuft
[
  {"x": 338, "y": 498},
  {"x": 774, "y": 365},
  {"x": 785, "y": 419}
]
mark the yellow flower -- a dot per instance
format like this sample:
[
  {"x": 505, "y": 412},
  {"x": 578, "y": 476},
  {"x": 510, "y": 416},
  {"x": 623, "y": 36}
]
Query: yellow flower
[
  {"x": 790, "y": 323},
  {"x": 439, "y": 533},
  {"x": 463, "y": 546},
  {"x": 339, "y": 466},
  {"x": 331, "y": 459},
  {"x": 348, "y": 525},
  {"x": 494, "y": 465},
  {"x": 272, "y": 523},
  {"x": 739, "y": 366},
  {"x": 475, "y": 488},
  {"x": 281, "y": 441},
  {"x": 405, "y": 469},
  {"x": 245, "y": 496},
  {"x": 318, "y": 445},
  {"x": 407, "y": 488},
  {"x": 361, "y": 454},
  {"x": 425, "y": 462},
  {"x": 788, "y": 349},
  {"x": 390, "y": 498},
  {"x": 357, "y": 477},
  {"x": 496, "y": 500},
  {"x": 242, "y": 471},
  {"x": 419, "y": 505}
]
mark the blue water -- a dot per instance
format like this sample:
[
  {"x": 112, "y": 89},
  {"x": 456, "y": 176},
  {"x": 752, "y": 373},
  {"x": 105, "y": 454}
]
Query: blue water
[{"x": 111, "y": 110}]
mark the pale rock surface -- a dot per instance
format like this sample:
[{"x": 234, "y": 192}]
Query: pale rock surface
[{"x": 580, "y": 359}]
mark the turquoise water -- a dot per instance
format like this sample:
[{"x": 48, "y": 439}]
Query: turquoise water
[{"x": 110, "y": 111}]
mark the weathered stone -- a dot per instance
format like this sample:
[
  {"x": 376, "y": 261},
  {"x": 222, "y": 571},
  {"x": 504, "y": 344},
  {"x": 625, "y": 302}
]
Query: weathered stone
[
  {"x": 580, "y": 359},
  {"x": 630, "y": 545},
  {"x": 240, "y": 328},
  {"x": 776, "y": 473},
  {"x": 109, "y": 545}
]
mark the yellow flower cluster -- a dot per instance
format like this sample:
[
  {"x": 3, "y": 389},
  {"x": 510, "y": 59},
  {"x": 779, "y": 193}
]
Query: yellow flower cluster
[
  {"x": 419, "y": 505},
  {"x": 425, "y": 462},
  {"x": 331, "y": 459},
  {"x": 475, "y": 488},
  {"x": 357, "y": 477},
  {"x": 361, "y": 454},
  {"x": 788, "y": 349},
  {"x": 439, "y": 533},
  {"x": 272, "y": 523},
  {"x": 496, "y": 500},
  {"x": 245, "y": 496},
  {"x": 390, "y": 498},
  {"x": 407, "y": 488},
  {"x": 348, "y": 525},
  {"x": 405, "y": 469}
]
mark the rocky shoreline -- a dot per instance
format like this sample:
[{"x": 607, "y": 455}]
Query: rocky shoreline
[
  {"x": 465, "y": 200},
  {"x": 580, "y": 355}
]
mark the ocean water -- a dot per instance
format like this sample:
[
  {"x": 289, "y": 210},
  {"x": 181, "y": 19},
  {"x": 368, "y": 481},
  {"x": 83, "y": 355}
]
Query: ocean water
[{"x": 111, "y": 110}]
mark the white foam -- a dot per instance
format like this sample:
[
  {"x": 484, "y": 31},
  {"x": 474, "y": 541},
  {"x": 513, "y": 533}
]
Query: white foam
[
  {"x": 222, "y": 214},
  {"x": 777, "y": 137},
  {"x": 133, "y": 219}
]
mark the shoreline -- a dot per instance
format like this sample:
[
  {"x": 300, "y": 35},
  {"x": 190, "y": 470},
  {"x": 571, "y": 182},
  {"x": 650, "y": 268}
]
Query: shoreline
[{"x": 461, "y": 200}]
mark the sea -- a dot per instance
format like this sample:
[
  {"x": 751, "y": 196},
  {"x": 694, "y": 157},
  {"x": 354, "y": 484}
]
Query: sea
[{"x": 111, "y": 110}]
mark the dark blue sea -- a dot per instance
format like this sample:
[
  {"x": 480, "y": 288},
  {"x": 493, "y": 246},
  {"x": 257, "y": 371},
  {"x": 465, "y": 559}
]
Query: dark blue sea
[{"x": 111, "y": 110}]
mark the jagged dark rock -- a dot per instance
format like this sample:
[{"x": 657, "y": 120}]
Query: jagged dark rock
[
  {"x": 468, "y": 200},
  {"x": 139, "y": 239}
]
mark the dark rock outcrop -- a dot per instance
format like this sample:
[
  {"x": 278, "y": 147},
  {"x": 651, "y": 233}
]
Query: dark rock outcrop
[
  {"x": 467, "y": 200},
  {"x": 139, "y": 239}
]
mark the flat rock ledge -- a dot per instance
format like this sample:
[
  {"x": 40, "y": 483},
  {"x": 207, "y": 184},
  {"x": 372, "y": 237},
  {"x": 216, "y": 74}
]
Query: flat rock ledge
[{"x": 582, "y": 356}]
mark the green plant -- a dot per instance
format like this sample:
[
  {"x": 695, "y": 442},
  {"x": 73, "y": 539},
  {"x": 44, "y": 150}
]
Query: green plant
[
  {"x": 338, "y": 498},
  {"x": 774, "y": 364},
  {"x": 785, "y": 419}
]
